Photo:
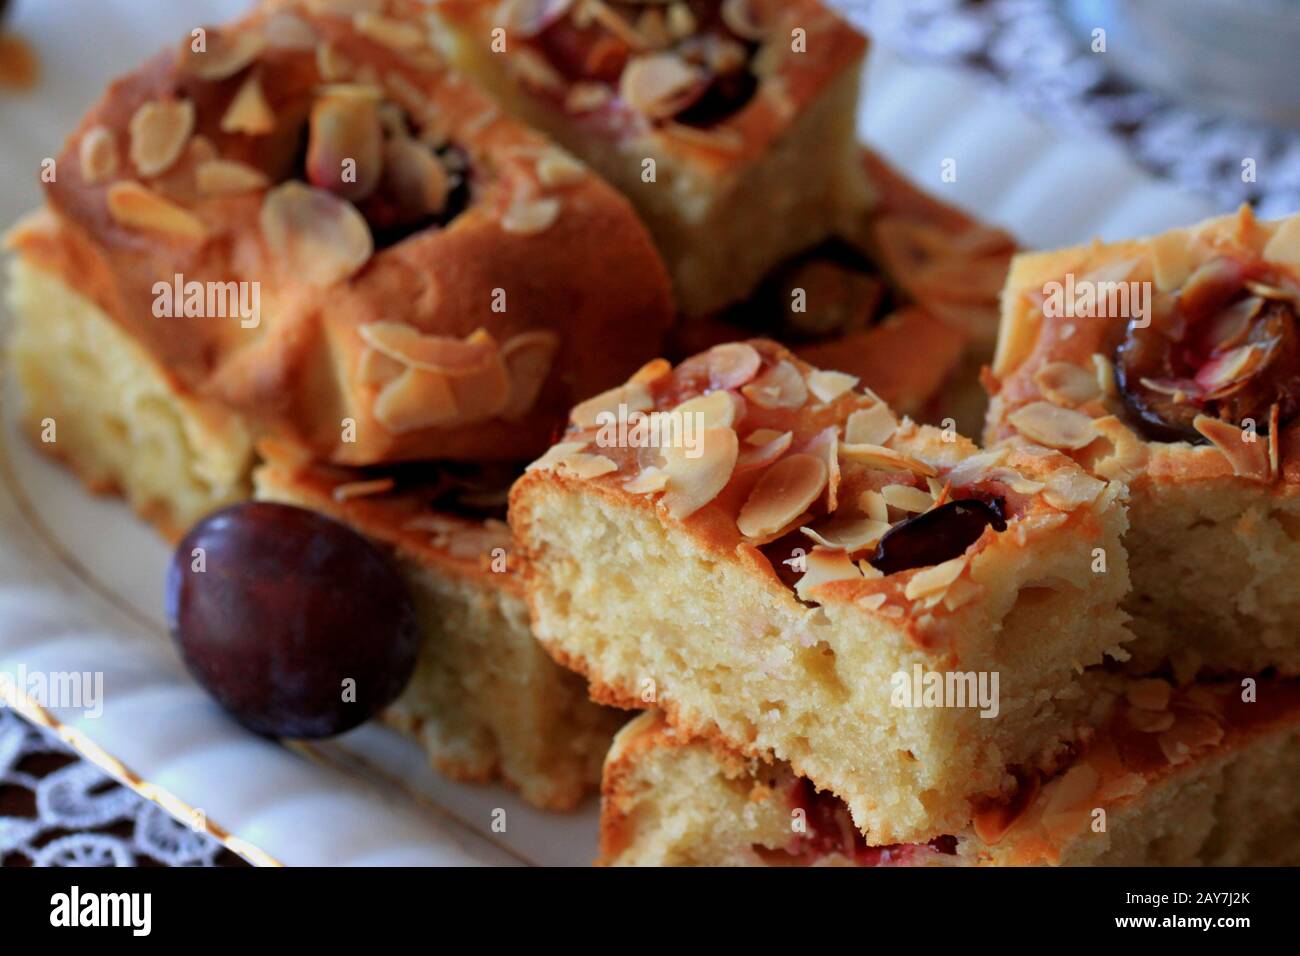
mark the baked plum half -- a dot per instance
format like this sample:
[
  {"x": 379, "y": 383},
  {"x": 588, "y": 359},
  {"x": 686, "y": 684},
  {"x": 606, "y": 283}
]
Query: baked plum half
[{"x": 1225, "y": 346}]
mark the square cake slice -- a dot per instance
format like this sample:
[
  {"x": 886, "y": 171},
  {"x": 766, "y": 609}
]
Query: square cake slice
[
  {"x": 768, "y": 554},
  {"x": 314, "y": 229},
  {"x": 1172, "y": 364},
  {"x": 486, "y": 702},
  {"x": 1193, "y": 776},
  {"x": 730, "y": 124}
]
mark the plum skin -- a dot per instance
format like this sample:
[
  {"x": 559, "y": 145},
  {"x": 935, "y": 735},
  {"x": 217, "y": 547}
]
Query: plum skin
[{"x": 290, "y": 605}]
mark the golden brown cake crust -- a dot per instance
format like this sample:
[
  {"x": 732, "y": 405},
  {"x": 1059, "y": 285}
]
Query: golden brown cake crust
[{"x": 559, "y": 253}]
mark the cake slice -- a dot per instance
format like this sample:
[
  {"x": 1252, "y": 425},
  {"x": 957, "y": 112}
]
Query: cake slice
[
  {"x": 905, "y": 297},
  {"x": 1174, "y": 777},
  {"x": 486, "y": 702},
  {"x": 730, "y": 124},
  {"x": 305, "y": 225},
  {"x": 1172, "y": 364},
  {"x": 777, "y": 562}
]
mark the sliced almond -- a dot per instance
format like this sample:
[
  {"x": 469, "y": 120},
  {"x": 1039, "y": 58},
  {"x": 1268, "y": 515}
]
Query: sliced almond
[
  {"x": 907, "y": 498},
  {"x": 98, "y": 155},
  {"x": 633, "y": 397},
  {"x": 1249, "y": 459},
  {"x": 650, "y": 481},
  {"x": 1150, "y": 721},
  {"x": 528, "y": 358},
  {"x": 784, "y": 492},
  {"x": 434, "y": 353},
  {"x": 345, "y": 145},
  {"x": 651, "y": 372},
  {"x": 362, "y": 489},
  {"x": 886, "y": 459},
  {"x": 747, "y": 19},
  {"x": 661, "y": 85},
  {"x": 415, "y": 177},
  {"x": 1073, "y": 791},
  {"x": 781, "y": 386},
  {"x": 376, "y": 368},
  {"x": 1283, "y": 246},
  {"x": 935, "y": 580},
  {"x": 718, "y": 409},
  {"x": 732, "y": 365},
  {"x": 249, "y": 112},
  {"x": 225, "y": 53},
  {"x": 1068, "y": 385},
  {"x": 823, "y": 567},
  {"x": 556, "y": 454},
  {"x": 828, "y": 386},
  {"x": 851, "y": 536},
  {"x": 527, "y": 217},
  {"x": 762, "y": 455},
  {"x": 588, "y": 466},
  {"x": 136, "y": 207},
  {"x": 228, "y": 177},
  {"x": 586, "y": 97},
  {"x": 1053, "y": 426},
  {"x": 159, "y": 131},
  {"x": 415, "y": 400},
  {"x": 872, "y": 504},
  {"x": 556, "y": 169},
  {"x": 870, "y": 426},
  {"x": 528, "y": 18},
  {"x": 288, "y": 31},
  {"x": 694, "y": 482},
  {"x": 318, "y": 237},
  {"x": 1068, "y": 489}
]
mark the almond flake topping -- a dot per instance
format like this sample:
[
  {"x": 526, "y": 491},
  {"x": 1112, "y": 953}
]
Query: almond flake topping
[
  {"x": 390, "y": 32},
  {"x": 935, "y": 580},
  {"x": 249, "y": 112},
  {"x": 136, "y": 207},
  {"x": 1064, "y": 384},
  {"x": 633, "y": 395},
  {"x": 556, "y": 454},
  {"x": 362, "y": 489},
  {"x": 584, "y": 97},
  {"x": 694, "y": 482},
  {"x": 661, "y": 85},
  {"x": 732, "y": 365},
  {"x": 228, "y": 177},
  {"x": 1249, "y": 459},
  {"x": 650, "y": 480},
  {"x": 828, "y": 386},
  {"x": 872, "y": 504},
  {"x": 528, "y": 18},
  {"x": 781, "y": 386},
  {"x": 1069, "y": 488},
  {"x": 1150, "y": 721},
  {"x": 98, "y": 155},
  {"x": 784, "y": 492},
  {"x": 762, "y": 454},
  {"x": 907, "y": 498},
  {"x": 225, "y": 54},
  {"x": 528, "y": 358},
  {"x": 159, "y": 131},
  {"x": 556, "y": 169},
  {"x": 720, "y": 409},
  {"x": 851, "y": 536},
  {"x": 433, "y": 353},
  {"x": 415, "y": 400},
  {"x": 745, "y": 19},
  {"x": 319, "y": 237},
  {"x": 823, "y": 567},
  {"x": 1053, "y": 426},
  {"x": 870, "y": 426},
  {"x": 526, "y": 217},
  {"x": 885, "y": 459},
  {"x": 1192, "y": 732}
]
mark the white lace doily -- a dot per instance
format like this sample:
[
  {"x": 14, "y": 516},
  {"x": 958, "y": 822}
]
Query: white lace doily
[
  {"x": 57, "y": 810},
  {"x": 1028, "y": 49}
]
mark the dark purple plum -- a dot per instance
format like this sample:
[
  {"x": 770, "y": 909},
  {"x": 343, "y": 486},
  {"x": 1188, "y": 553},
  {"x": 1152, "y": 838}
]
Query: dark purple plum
[
  {"x": 936, "y": 536},
  {"x": 274, "y": 609}
]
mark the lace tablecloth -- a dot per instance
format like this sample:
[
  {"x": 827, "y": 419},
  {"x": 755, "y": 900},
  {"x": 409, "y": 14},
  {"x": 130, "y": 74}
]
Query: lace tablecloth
[
  {"x": 56, "y": 810},
  {"x": 1026, "y": 47}
]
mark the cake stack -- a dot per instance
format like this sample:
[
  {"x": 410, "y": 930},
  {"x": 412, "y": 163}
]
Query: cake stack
[
  {"x": 304, "y": 258},
  {"x": 868, "y": 642}
]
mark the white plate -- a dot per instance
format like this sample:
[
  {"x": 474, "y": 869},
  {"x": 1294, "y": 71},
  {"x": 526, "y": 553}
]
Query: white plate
[{"x": 81, "y": 579}]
